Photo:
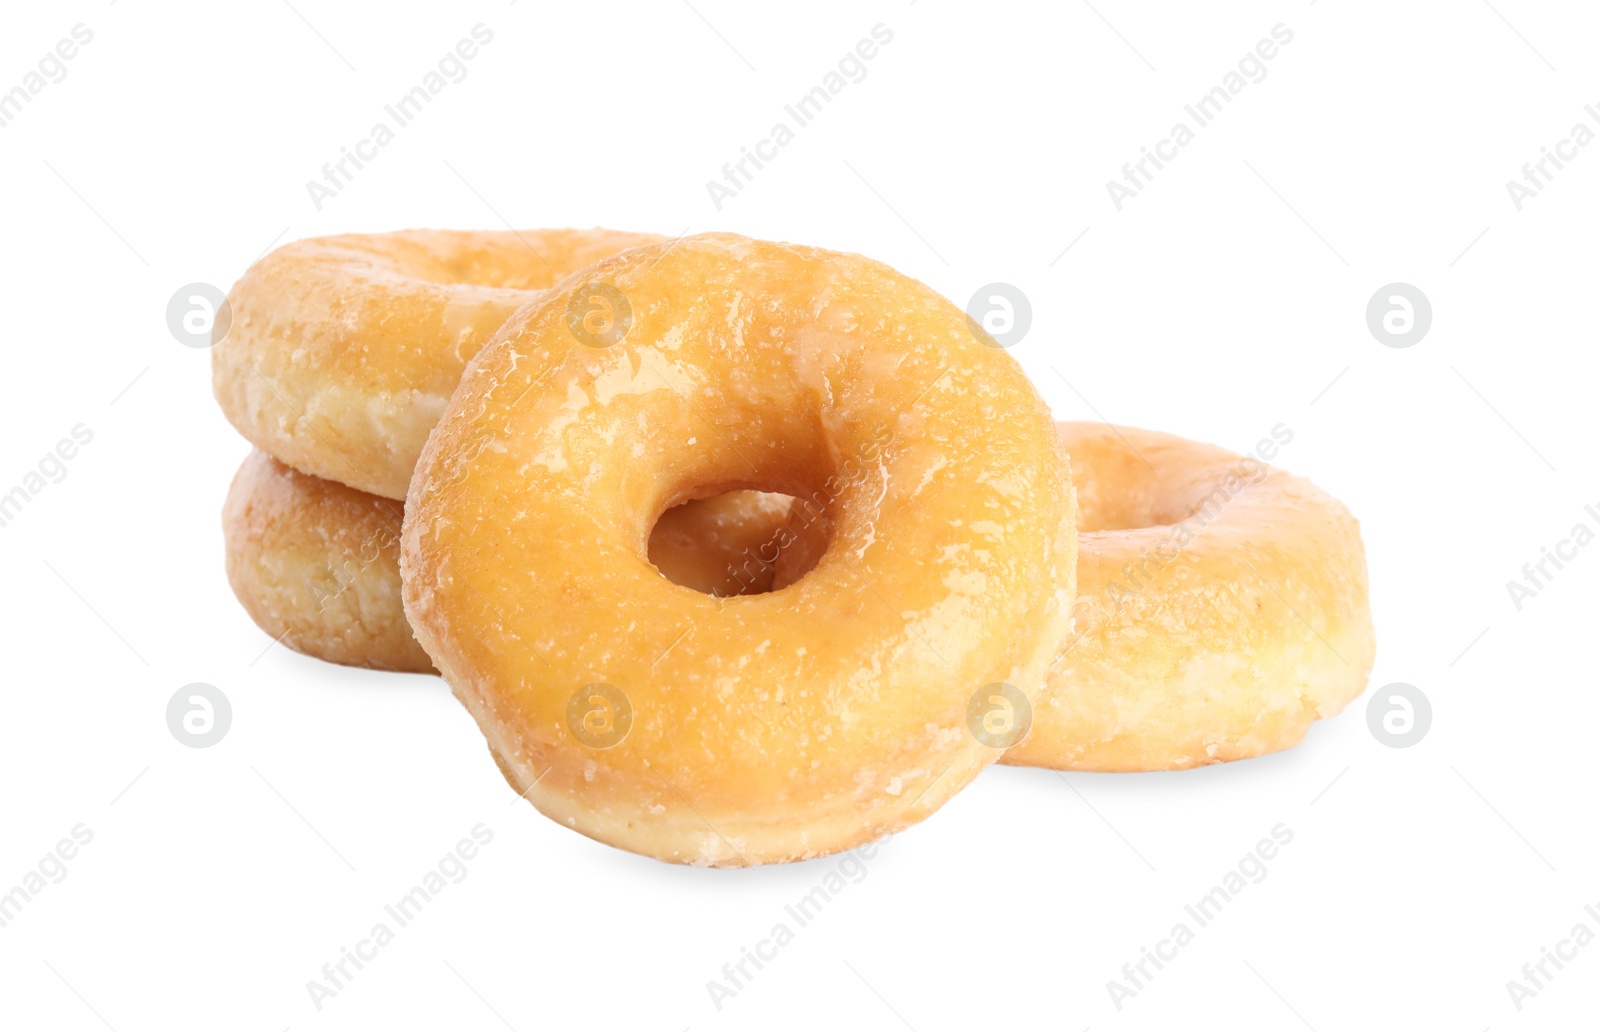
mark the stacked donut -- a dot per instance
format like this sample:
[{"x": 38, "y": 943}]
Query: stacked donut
[{"x": 742, "y": 552}]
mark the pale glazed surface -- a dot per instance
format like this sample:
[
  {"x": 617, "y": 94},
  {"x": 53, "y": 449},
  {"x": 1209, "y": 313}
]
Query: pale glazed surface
[
  {"x": 766, "y": 727},
  {"x": 318, "y": 564},
  {"x": 343, "y": 350},
  {"x": 1222, "y": 609}
]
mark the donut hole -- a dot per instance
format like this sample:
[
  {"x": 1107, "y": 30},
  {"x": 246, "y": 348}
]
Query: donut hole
[
  {"x": 1144, "y": 500},
  {"x": 1100, "y": 509},
  {"x": 1121, "y": 489},
  {"x": 484, "y": 263},
  {"x": 739, "y": 542},
  {"x": 1121, "y": 494}
]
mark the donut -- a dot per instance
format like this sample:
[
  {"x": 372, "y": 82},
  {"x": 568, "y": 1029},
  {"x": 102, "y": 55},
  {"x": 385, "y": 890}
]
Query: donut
[
  {"x": 317, "y": 564},
  {"x": 1221, "y": 610},
  {"x": 343, "y": 350},
  {"x": 765, "y": 727}
]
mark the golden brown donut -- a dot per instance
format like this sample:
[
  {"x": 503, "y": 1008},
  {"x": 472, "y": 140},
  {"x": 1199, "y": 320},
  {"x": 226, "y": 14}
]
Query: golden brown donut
[
  {"x": 766, "y": 727},
  {"x": 343, "y": 350},
  {"x": 317, "y": 564},
  {"x": 1222, "y": 609}
]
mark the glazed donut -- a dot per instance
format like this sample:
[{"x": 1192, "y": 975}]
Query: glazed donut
[
  {"x": 766, "y": 727},
  {"x": 343, "y": 350},
  {"x": 317, "y": 564},
  {"x": 1222, "y": 609}
]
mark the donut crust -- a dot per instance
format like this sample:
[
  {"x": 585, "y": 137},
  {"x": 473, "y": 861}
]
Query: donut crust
[{"x": 342, "y": 351}]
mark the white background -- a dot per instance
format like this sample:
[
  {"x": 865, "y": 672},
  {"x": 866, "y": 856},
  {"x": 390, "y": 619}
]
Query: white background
[{"x": 1226, "y": 298}]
